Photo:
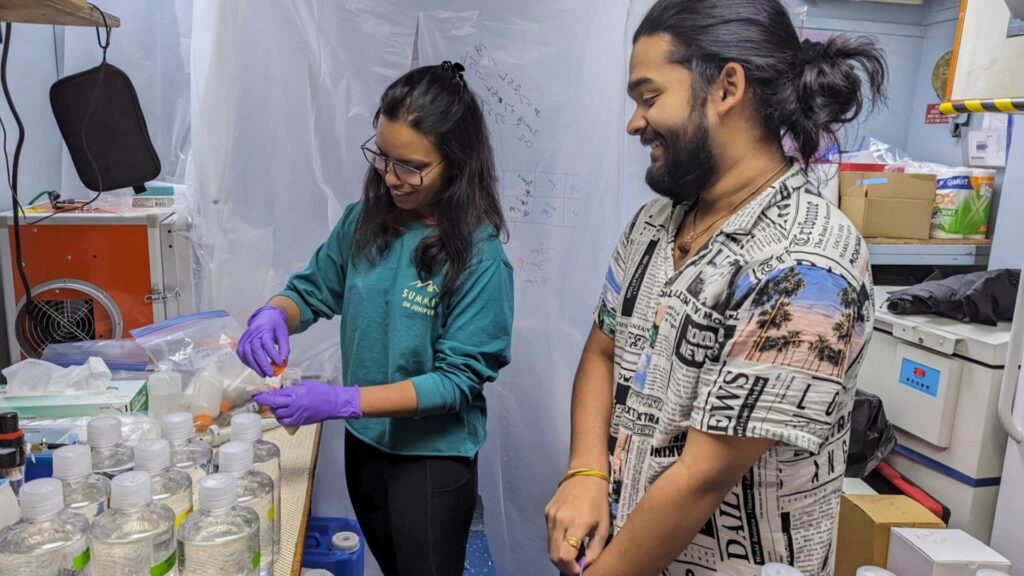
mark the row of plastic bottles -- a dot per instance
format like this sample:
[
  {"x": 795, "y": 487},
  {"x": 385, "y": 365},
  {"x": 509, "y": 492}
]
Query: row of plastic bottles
[
  {"x": 52, "y": 541},
  {"x": 135, "y": 536}
]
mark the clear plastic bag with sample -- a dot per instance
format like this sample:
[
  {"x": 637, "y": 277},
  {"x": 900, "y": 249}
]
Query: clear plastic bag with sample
[{"x": 202, "y": 343}]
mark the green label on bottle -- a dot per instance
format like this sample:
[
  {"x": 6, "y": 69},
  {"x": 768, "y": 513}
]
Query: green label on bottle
[
  {"x": 181, "y": 517},
  {"x": 256, "y": 560},
  {"x": 164, "y": 567},
  {"x": 81, "y": 561}
]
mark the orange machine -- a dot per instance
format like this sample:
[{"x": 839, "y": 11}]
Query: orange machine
[{"x": 93, "y": 275}]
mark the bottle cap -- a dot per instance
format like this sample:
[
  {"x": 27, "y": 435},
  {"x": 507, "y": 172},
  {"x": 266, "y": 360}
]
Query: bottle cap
[
  {"x": 202, "y": 422},
  {"x": 41, "y": 498},
  {"x": 104, "y": 431},
  {"x": 12, "y": 447},
  {"x": 217, "y": 492},
  {"x": 345, "y": 542},
  {"x": 131, "y": 490},
  {"x": 165, "y": 382},
  {"x": 873, "y": 571},
  {"x": 177, "y": 426},
  {"x": 235, "y": 457},
  {"x": 8, "y": 422},
  {"x": 153, "y": 455},
  {"x": 72, "y": 461},
  {"x": 247, "y": 427}
]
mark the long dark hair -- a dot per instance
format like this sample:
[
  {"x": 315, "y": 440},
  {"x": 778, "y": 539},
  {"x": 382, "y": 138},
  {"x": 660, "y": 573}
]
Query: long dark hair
[
  {"x": 805, "y": 91},
  {"x": 437, "y": 103}
]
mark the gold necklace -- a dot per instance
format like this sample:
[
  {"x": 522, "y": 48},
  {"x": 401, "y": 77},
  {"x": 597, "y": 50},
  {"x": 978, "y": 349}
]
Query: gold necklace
[{"x": 687, "y": 242}]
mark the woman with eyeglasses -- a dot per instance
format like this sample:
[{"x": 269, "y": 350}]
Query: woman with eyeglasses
[{"x": 418, "y": 274}]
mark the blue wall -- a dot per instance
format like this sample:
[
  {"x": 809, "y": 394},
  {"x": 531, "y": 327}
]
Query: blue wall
[
  {"x": 932, "y": 142},
  {"x": 899, "y": 32}
]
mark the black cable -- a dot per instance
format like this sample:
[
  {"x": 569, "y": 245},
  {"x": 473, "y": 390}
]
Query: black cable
[
  {"x": 56, "y": 56},
  {"x": 13, "y": 171},
  {"x": 58, "y": 211}
]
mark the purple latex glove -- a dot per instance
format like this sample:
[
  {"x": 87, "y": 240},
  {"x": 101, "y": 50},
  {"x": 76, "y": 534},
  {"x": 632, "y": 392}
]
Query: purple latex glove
[
  {"x": 310, "y": 402},
  {"x": 265, "y": 341}
]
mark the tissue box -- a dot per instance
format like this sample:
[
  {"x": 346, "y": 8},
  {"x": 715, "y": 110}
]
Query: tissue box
[
  {"x": 888, "y": 204},
  {"x": 864, "y": 525},
  {"x": 923, "y": 552},
  {"x": 121, "y": 397}
]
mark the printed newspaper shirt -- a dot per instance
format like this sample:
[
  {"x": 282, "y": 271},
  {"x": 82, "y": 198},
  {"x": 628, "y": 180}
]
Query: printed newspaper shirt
[{"x": 759, "y": 335}]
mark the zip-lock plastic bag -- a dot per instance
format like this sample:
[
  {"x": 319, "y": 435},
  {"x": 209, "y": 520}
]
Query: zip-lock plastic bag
[
  {"x": 120, "y": 355},
  {"x": 202, "y": 343}
]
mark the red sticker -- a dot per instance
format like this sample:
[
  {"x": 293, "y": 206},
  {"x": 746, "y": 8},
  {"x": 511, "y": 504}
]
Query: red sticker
[{"x": 932, "y": 115}]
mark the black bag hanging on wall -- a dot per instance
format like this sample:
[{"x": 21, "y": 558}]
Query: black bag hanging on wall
[{"x": 99, "y": 117}]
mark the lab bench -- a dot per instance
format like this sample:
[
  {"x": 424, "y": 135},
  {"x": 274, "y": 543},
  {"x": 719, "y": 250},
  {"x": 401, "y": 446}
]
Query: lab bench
[{"x": 298, "y": 464}]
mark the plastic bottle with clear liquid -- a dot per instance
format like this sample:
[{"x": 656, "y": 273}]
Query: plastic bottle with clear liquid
[
  {"x": 207, "y": 397},
  {"x": 188, "y": 453},
  {"x": 266, "y": 458},
  {"x": 165, "y": 391},
  {"x": 221, "y": 538},
  {"x": 110, "y": 456},
  {"x": 136, "y": 535},
  {"x": 291, "y": 377},
  {"x": 171, "y": 486},
  {"x": 255, "y": 490},
  {"x": 49, "y": 540},
  {"x": 84, "y": 492}
]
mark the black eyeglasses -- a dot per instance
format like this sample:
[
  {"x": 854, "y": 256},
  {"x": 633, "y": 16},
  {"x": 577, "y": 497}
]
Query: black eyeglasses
[{"x": 380, "y": 163}]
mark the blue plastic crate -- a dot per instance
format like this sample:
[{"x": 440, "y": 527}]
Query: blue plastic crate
[{"x": 318, "y": 553}]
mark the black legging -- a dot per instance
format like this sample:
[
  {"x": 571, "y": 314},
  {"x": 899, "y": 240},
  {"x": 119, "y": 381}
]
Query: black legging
[{"x": 414, "y": 511}]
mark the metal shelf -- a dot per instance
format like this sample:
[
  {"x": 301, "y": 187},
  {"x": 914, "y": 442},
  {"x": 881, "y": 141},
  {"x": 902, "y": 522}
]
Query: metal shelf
[{"x": 895, "y": 252}]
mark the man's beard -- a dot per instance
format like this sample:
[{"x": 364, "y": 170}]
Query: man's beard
[{"x": 687, "y": 166}]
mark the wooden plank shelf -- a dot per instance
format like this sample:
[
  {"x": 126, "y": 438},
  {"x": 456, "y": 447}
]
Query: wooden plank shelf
[{"x": 54, "y": 12}]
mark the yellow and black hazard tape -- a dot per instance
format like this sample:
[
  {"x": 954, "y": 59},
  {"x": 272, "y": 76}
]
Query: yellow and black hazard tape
[{"x": 1005, "y": 105}]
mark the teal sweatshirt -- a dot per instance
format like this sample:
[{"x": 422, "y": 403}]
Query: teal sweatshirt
[{"x": 394, "y": 327}]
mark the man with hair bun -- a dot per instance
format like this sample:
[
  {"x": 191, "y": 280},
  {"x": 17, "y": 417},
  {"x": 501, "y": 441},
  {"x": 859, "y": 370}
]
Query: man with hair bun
[{"x": 710, "y": 409}]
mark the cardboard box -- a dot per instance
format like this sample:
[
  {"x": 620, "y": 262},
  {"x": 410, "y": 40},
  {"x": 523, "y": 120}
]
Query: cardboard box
[
  {"x": 121, "y": 397},
  {"x": 925, "y": 552},
  {"x": 864, "y": 524},
  {"x": 888, "y": 204}
]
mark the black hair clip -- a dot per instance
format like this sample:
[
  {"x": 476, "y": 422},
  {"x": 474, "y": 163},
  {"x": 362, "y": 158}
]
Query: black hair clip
[
  {"x": 455, "y": 69},
  {"x": 811, "y": 51}
]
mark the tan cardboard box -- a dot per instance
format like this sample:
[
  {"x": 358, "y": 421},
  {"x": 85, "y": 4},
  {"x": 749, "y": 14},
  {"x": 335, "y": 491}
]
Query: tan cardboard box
[
  {"x": 864, "y": 523},
  {"x": 888, "y": 204}
]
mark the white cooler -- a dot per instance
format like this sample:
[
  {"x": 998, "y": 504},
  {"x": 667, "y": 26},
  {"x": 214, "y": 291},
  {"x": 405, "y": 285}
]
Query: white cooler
[{"x": 939, "y": 381}]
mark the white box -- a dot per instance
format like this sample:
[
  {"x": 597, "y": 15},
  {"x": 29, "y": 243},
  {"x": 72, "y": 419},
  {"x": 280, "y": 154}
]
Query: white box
[
  {"x": 933, "y": 552},
  {"x": 120, "y": 397}
]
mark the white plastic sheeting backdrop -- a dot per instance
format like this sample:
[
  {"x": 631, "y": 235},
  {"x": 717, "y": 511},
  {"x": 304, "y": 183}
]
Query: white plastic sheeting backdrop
[
  {"x": 281, "y": 95},
  {"x": 153, "y": 46}
]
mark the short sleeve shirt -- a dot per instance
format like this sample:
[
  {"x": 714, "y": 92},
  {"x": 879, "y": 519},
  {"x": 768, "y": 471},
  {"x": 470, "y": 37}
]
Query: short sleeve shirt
[{"x": 759, "y": 335}]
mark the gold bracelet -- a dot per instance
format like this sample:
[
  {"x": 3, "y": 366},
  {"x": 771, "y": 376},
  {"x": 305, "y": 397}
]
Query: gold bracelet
[{"x": 591, "y": 472}]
